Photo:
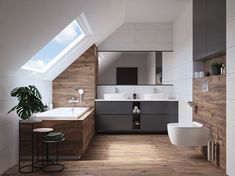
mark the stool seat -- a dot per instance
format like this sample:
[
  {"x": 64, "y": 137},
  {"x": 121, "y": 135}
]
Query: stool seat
[
  {"x": 43, "y": 130},
  {"x": 55, "y": 141}
]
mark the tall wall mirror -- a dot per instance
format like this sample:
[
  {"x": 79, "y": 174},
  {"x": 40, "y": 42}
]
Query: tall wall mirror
[{"x": 130, "y": 68}]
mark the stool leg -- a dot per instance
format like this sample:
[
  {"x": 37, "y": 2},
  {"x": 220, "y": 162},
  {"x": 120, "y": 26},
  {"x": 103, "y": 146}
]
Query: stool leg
[
  {"x": 37, "y": 146},
  {"x": 32, "y": 149},
  {"x": 42, "y": 154},
  {"x": 57, "y": 153},
  {"x": 47, "y": 154}
]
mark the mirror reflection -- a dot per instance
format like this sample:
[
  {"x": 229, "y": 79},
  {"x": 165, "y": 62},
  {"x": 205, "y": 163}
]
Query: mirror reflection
[{"x": 130, "y": 68}]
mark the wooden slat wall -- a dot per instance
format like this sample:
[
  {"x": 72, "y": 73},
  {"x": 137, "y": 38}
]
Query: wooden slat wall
[
  {"x": 82, "y": 74},
  {"x": 211, "y": 110}
]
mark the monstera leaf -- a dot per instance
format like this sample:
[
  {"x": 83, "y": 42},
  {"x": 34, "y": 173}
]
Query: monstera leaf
[{"x": 30, "y": 101}]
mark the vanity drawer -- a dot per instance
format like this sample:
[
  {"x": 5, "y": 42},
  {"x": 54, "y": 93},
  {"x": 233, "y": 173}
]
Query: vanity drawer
[
  {"x": 111, "y": 107},
  {"x": 157, "y": 123},
  {"x": 159, "y": 107},
  {"x": 106, "y": 123}
]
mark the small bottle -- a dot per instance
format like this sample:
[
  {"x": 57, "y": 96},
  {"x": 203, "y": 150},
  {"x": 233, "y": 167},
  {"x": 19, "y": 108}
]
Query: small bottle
[
  {"x": 134, "y": 95},
  {"x": 223, "y": 70}
]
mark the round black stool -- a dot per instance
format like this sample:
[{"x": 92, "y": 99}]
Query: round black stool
[
  {"x": 52, "y": 165},
  {"x": 39, "y": 132}
]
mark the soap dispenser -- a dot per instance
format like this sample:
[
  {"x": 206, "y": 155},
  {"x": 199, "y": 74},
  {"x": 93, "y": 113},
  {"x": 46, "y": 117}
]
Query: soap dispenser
[{"x": 134, "y": 95}]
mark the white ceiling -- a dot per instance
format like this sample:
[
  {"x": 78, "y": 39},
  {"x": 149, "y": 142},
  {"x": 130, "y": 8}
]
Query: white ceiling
[
  {"x": 27, "y": 25},
  {"x": 153, "y": 11}
]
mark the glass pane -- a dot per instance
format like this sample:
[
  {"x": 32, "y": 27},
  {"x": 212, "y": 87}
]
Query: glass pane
[{"x": 55, "y": 47}]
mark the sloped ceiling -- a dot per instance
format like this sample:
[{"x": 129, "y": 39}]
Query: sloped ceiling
[
  {"x": 27, "y": 25},
  {"x": 153, "y": 11}
]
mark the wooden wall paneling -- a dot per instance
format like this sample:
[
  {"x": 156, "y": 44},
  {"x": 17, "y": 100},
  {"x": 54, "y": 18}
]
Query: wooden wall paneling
[
  {"x": 82, "y": 73},
  {"x": 211, "y": 110},
  {"x": 78, "y": 135}
]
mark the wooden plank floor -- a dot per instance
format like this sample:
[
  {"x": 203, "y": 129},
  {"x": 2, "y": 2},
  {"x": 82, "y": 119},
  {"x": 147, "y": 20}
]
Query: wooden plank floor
[{"x": 135, "y": 155}]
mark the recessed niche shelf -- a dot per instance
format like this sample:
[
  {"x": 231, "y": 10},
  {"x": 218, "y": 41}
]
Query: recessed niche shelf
[
  {"x": 206, "y": 65},
  {"x": 209, "y": 77}
]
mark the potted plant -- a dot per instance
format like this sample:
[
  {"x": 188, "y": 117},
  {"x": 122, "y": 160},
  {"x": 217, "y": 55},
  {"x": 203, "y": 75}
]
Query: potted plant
[
  {"x": 30, "y": 101},
  {"x": 215, "y": 68}
]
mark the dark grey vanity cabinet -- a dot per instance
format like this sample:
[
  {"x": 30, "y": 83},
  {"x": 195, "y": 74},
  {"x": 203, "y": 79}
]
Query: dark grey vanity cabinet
[
  {"x": 209, "y": 28},
  {"x": 113, "y": 123},
  {"x": 117, "y": 116},
  {"x": 113, "y": 116},
  {"x": 156, "y": 115}
]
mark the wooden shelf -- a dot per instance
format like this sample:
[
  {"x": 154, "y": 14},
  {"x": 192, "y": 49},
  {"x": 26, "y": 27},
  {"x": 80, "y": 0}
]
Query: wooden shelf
[{"x": 210, "y": 77}]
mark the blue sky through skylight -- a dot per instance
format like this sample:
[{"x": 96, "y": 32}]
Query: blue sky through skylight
[{"x": 55, "y": 47}]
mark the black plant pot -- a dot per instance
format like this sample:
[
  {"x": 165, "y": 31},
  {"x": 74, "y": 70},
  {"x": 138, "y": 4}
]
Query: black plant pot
[{"x": 215, "y": 70}]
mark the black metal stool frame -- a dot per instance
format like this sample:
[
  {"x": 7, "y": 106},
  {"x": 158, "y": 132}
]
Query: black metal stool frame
[
  {"x": 47, "y": 156},
  {"x": 33, "y": 169}
]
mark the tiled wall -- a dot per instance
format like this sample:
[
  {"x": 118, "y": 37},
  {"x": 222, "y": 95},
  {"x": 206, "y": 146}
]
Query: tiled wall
[
  {"x": 230, "y": 87},
  {"x": 9, "y": 122},
  {"x": 139, "y": 90},
  {"x": 178, "y": 66},
  {"x": 140, "y": 36}
]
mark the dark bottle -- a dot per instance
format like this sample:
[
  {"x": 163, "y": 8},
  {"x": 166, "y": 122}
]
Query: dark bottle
[{"x": 134, "y": 95}]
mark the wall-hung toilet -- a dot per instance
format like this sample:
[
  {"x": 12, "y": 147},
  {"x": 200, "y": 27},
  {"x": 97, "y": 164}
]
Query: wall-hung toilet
[{"x": 190, "y": 134}]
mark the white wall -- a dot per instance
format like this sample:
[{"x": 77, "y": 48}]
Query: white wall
[
  {"x": 144, "y": 61},
  {"x": 139, "y": 90},
  {"x": 9, "y": 123},
  {"x": 230, "y": 126},
  {"x": 140, "y": 36},
  {"x": 178, "y": 66}
]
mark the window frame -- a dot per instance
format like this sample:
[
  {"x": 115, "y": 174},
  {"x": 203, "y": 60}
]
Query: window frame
[{"x": 61, "y": 54}]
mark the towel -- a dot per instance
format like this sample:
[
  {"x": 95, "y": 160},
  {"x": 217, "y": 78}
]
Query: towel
[{"x": 54, "y": 136}]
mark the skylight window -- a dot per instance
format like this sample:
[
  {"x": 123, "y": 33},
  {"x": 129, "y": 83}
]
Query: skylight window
[{"x": 56, "y": 48}]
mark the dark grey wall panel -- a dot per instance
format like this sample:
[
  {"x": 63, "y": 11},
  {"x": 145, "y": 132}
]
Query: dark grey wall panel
[
  {"x": 209, "y": 28},
  {"x": 113, "y": 107},
  {"x": 216, "y": 26},
  {"x": 199, "y": 29},
  {"x": 159, "y": 107}
]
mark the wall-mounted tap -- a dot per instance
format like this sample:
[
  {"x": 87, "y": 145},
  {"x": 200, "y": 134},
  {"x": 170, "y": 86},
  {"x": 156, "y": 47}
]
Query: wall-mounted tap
[
  {"x": 81, "y": 92},
  {"x": 73, "y": 100}
]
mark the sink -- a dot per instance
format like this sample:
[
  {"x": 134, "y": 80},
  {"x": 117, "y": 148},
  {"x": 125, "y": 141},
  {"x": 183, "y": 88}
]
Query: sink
[
  {"x": 155, "y": 96},
  {"x": 115, "y": 96}
]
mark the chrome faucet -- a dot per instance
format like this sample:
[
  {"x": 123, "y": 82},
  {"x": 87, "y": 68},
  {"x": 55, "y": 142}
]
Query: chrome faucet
[
  {"x": 115, "y": 90},
  {"x": 81, "y": 92},
  {"x": 73, "y": 100}
]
